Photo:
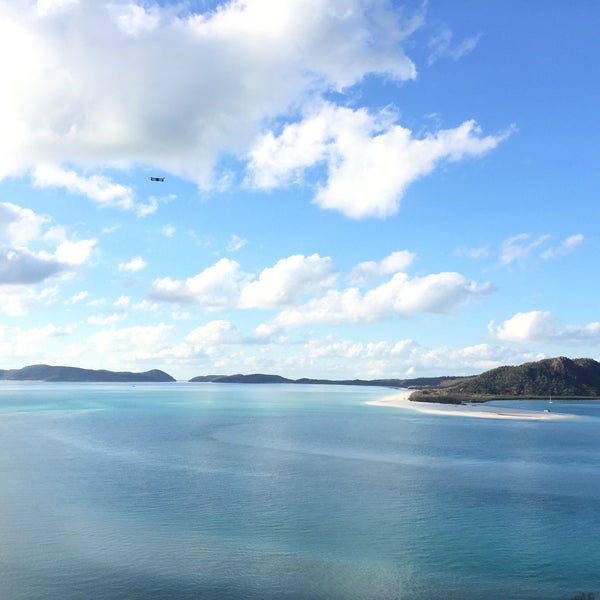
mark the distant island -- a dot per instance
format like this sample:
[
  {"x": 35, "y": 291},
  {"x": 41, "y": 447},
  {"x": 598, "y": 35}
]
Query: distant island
[
  {"x": 50, "y": 373},
  {"x": 417, "y": 383},
  {"x": 558, "y": 377}
]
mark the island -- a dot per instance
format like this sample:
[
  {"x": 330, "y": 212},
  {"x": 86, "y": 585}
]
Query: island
[
  {"x": 549, "y": 378},
  {"x": 417, "y": 383},
  {"x": 74, "y": 374},
  {"x": 558, "y": 377}
]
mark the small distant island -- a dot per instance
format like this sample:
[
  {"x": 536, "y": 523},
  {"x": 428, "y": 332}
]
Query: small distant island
[
  {"x": 264, "y": 378},
  {"x": 66, "y": 374}
]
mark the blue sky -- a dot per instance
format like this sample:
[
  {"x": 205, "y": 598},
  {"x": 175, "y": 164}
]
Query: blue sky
[{"x": 353, "y": 188}]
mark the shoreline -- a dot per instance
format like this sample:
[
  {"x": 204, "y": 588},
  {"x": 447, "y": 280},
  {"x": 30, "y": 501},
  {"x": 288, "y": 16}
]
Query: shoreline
[{"x": 401, "y": 400}]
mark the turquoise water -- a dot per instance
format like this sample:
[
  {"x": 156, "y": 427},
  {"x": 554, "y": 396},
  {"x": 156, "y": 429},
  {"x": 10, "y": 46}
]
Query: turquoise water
[{"x": 194, "y": 491}]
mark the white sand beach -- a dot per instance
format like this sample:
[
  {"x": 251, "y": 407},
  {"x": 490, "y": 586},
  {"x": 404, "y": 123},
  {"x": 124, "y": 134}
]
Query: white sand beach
[{"x": 481, "y": 411}]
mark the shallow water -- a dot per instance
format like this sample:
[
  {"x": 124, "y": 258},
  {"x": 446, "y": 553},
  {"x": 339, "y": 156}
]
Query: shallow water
[{"x": 114, "y": 491}]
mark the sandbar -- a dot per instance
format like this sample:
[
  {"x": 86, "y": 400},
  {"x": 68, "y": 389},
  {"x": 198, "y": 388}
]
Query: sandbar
[{"x": 481, "y": 411}]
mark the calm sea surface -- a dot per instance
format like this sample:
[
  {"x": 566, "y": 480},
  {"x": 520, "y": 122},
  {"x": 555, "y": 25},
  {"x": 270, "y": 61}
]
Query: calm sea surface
[{"x": 216, "y": 491}]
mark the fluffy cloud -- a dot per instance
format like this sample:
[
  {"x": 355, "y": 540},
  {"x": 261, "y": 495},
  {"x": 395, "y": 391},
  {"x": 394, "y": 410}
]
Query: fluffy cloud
[
  {"x": 216, "y": 286},
  {"x": 74, "y": 253},
  {"x": 135, "y": 20},
  {"x": 18, "y": 300},
  {"x": 303, "y": 288},
  {"x": 98, "y": 188},
  {"x": 30, "y": 345},
  {"x": 541, "y": 327},
  {"x": 395, "y": 262},
  {"x": 139, "y": 342},
  {"x": 121, "y": 83},
  {"x": 48, "y": 7},
  {"x": 20, "y": 265},
  {"x": 289, "y": 280},
  {"x": 213, "y": 333},
  {"x": 400, "y": 296},
  {"x": 370, "y": 159},
  {"x": 18, "y": 226},
  {"x": 80, "y": 296},
  {"x": 179, "y": 90},
  {"x": 135, "y": 264}
]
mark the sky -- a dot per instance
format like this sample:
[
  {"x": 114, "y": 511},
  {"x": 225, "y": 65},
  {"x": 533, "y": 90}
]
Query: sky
[{"x": 352, "y": 188}]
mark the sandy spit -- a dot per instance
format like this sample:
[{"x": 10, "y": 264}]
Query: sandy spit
[{"x": 481, "y": 411}]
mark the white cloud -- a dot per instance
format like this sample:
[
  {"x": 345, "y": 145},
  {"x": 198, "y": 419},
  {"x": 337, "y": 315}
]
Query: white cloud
[
  {"x": 97, "y": 302},
  {"x": 541, "y": 327},
  {"x": 216, "y": 286},
  {"x": 518, "y": 248},
  {"x": 38, "y": 335},
  {"x": 215, "y": 340},
  {"x": 19, "y": 226},
  {"x": 18, "y": 300},
  {"x": 398, "y": 359},
  {"x": 133, "y": 19},
  {"x": 21, "y": 265},
  {"x": 74, "y": 253},
  {"x": 49, "y": 7},
  {"x": 79, "y": 296},
  {"x": 236, "y": 243},
  {"x": 98, "y": 188},
  {"x": 174, "y": 90},
  {"x": 122, "y": 302},
  {"x": 135, "y": 264},
  {"x": 469, "y": 360},
  {"x": 370, "y": 160},
  {"x": 395, "y": 262},
  {"x": 474, "y": 253},
  {"x": 149, "y": 208},
  {"x": 213, "y": 333},
  {"x": 19, "y": 342},
  {"x": 402, "y": 296},
  {"x": 303, "y": 288},
  {"x": 288, "y": 281},
  {"x": 130, "y": 343},
  {"x": 565, "y": 247},
  {"x": 522, "y": 247},
  {"x": 103, "y": 320},
  {"x": 441, "y": 46}
]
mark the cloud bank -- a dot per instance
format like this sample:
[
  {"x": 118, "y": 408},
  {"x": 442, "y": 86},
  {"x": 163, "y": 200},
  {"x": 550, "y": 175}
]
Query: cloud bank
[{"x": 97, "y": 86}]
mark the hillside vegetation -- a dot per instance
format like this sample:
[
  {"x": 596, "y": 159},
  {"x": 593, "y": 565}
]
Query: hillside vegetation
[
  {"x": 51, "y": 373},
  {"x": 420, "y": 382},
  {"x": 556, "y": 377}
]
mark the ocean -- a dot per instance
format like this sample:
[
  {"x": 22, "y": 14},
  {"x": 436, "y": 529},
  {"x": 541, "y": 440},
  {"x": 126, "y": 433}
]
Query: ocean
[{"x": 263, "y": 492}]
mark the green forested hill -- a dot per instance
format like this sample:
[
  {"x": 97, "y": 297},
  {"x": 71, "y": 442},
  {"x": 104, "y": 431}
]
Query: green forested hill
[
  {"x": 558, "y": 377},
  {"x": 51, "y": 373}
]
